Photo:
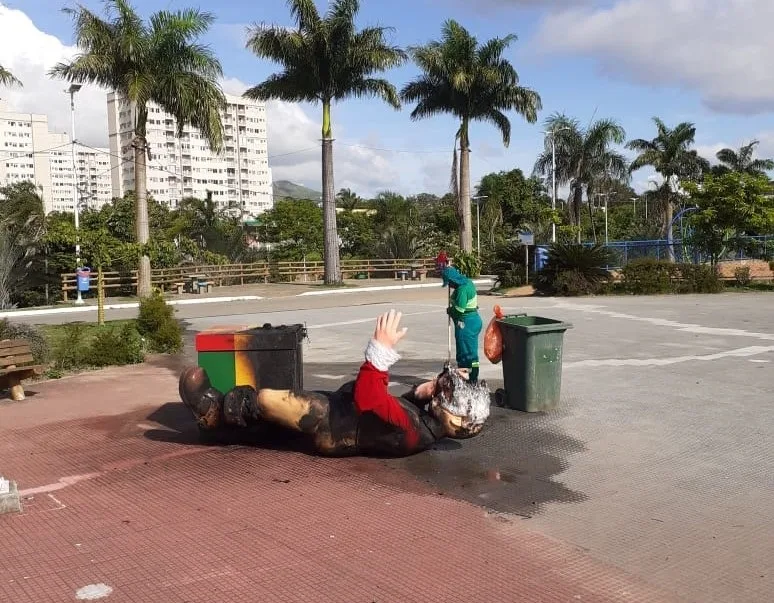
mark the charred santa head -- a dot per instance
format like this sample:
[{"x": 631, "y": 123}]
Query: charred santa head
[{"x": 460, "y": 405}]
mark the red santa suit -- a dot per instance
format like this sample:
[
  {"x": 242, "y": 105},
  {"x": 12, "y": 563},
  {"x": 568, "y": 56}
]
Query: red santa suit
[{"x": 414, "y": 429}]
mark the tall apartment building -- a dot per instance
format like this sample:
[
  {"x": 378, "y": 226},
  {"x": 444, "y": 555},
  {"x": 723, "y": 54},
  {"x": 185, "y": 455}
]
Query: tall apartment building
[
  {"x": 237, "y": 177},
  {"x": 30, "y": 151}
]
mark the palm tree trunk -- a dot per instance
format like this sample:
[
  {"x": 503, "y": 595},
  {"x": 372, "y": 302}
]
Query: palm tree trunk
[
  {"x": 144, "y": 271},
  {"x": 332, "y": 273},
  {"x": 668, "y": 215},
  {"x": 577, "y": 202},
  {"x": 466, "y": 228}
]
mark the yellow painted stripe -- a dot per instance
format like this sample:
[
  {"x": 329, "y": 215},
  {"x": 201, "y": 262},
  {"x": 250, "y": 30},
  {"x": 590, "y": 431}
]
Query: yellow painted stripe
[{"x": 243, "y": 368}]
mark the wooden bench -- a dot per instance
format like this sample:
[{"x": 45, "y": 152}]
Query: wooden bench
[
  {"x": 16, "y": 365},
  {"x": 205, "y": 286}
]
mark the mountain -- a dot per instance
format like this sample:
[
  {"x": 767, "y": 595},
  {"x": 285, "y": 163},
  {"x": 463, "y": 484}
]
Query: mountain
[{"x": 285, "y": 189}]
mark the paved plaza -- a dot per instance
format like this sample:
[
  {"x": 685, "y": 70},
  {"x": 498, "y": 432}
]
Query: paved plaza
[{"x": 652, "y": 482}]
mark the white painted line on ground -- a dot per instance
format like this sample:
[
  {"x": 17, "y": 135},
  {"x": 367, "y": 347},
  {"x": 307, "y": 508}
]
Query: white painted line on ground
[
  {"x": 125, "y": 306},
  {"x": 737, "y": 353},
  {"x": 330, "y": 377},
  {"x": 62, "y": 483},
  {"x": 359, "y": 321},
  {"x": 383, "y": 288},
  {"x": 663, "y": 322}
]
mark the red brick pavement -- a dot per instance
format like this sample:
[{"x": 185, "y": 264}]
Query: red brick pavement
[{"x": 122, "y": 499}]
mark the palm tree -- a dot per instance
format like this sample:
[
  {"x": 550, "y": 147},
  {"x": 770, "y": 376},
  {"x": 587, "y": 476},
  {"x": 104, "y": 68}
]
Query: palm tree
[
  {"x": 7, "y": 78},
  {"x": 325, "y": 59},
  {"x": 472, "y": 83},
  {"x": 347, "y": 199},
  {"x": 159, "y": 62},
  {"x": 742, "y": 160},
  {"x": 584, "y": 158},
  {"x": 669, "y": 153}
]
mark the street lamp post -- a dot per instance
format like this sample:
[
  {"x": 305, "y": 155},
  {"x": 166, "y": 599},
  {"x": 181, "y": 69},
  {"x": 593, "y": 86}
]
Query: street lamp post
[
  {"x": 478, "y": 221},
  {"x": 605, "y": 195},
  {"x": 552, "y": 134},
  {"x": 71, "y": 91}
]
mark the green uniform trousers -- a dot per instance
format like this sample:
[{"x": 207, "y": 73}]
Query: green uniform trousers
[{"x": 466, "y": 333}]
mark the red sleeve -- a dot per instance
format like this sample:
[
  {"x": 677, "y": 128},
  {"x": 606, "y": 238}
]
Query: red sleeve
[{"x": 371, "y": 394}]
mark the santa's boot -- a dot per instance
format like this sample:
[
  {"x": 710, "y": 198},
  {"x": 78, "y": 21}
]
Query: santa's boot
[
  {"x": 203, "y": 400},
  {"x": 240, "y": 406}
]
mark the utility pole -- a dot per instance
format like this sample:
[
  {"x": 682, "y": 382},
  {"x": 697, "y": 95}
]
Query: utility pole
[
  {"x": 478, "y": 221},
  {"x": 71, "y": 91},
  {"x": 552, "y": 134}
]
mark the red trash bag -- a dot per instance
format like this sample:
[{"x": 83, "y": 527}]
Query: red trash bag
[{"x": 493, "y": 338}]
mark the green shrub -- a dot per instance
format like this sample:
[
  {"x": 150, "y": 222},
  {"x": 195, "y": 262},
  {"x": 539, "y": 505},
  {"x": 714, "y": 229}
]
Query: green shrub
[
  {"x": 157, "y": 324},
  {"x": 507, "y": 264},
  {"x": 649, "y": 276},
  {"x": 698, "y": 278},
  {"x": 573, "y": 269},
  {"x": 573, "y": 283},
  {"x": 742, "y": 276},
  {"x": 70, "y": 350},
  {"x": 39, "y": 347},
  {"x": 468, "y": 264},
  {"x": 112, "y": 346}
]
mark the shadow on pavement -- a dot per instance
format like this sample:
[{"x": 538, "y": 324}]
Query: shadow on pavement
[{"x": 511, "y": 467}]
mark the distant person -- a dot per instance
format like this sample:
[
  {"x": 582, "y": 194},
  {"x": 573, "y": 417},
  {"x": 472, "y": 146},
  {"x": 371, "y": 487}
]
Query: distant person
[{"x": 441, "y": 262}]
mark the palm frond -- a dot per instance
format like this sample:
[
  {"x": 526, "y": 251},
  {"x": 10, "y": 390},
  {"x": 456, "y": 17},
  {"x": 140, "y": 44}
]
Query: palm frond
[
  {"x": 7, "y": 78},
  {"x": 291, "y": 87},
  {"x": 305, "y": 14},
  {"x": 378, "y": 88}
]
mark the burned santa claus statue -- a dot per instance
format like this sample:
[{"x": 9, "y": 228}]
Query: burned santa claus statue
[{"x": 361, "y": 417}]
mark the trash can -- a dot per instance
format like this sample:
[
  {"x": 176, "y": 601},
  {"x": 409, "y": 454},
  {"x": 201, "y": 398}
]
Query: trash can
[
  {"x": 541, "y": 257},
  {"x": 84, "y": 277},
  {"x": 532, "y": 361},
  {"x": 263, "y": 357}
]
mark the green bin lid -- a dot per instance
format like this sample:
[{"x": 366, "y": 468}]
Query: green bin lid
[{"x": 533, "y": 324}]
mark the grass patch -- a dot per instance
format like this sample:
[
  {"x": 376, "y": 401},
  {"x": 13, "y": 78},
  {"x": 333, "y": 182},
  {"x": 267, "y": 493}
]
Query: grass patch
[
  {"x": 56, "y": 334},
  {"x": 79, "y": 346},
  {"x": 765, "y": 286}
]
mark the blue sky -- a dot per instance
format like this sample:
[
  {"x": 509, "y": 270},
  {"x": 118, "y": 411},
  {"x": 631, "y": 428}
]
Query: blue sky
[{"x": 703, "y": 61}]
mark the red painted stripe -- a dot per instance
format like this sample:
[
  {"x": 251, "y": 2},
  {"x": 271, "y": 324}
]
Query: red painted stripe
[{"x": 214, "y": 342}]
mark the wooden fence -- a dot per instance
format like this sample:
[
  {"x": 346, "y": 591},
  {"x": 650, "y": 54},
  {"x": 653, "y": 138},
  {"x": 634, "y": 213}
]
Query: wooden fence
[{"x": 219, "y": 275}]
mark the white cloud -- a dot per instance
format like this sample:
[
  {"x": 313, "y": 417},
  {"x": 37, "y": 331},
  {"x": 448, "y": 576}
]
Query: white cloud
[
  {"x": 29, "y": 53},
  {"x": 294, "y": 150},
  {"x": 719, "y": 48}
]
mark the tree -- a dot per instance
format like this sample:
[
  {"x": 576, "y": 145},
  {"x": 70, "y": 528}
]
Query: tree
[
  {"x": 347, "y": 200},
  {"x": 159, "y": 62},
  {"x": 730, "y": 207},
  {"x": 7, "y": 78},
  {"x": 21, "y": 227},
  {"x": 742, "y": 160},
  {"x": 669, "y": 153},
  {"x": 512, "y": 202},
  {"x": 325, "y": 59},
  {"x": 472, "y": 83},
  {"x": 99, "y": 249},
  {"x": 296, "y": 228},
  {"x": 584, "y": 157}
]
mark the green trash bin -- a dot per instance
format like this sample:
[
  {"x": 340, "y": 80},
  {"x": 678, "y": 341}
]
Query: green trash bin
[{"x": 532, "y": 361}]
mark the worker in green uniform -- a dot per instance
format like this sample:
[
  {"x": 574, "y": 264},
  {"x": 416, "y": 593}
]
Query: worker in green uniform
[{"x": 463, "y": 309}]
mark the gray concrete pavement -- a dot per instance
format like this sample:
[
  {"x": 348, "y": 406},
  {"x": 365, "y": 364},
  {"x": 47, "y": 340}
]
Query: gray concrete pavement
[{"x": 659, "y": 459}]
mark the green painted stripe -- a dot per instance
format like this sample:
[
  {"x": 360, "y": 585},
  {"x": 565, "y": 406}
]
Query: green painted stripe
[{"x": 221, "y": 370}]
